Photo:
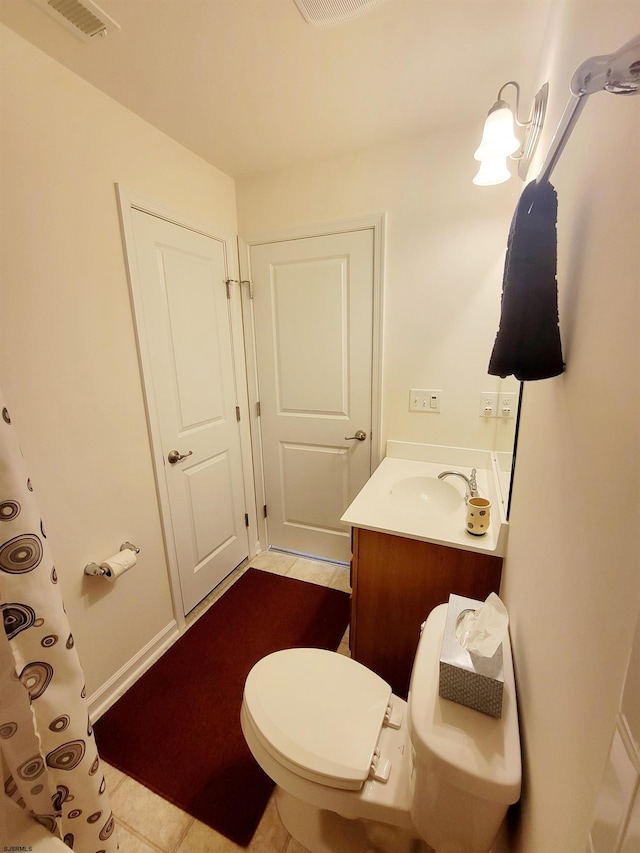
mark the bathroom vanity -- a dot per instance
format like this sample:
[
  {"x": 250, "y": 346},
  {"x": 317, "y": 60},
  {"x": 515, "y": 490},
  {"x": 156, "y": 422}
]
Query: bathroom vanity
[
  {"x": 410, "y": 550},
  {"x": 396, "y": 582}
]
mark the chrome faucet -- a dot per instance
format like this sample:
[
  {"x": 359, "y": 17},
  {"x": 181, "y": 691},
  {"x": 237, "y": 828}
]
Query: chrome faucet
[{"x": 470, "y": 482}]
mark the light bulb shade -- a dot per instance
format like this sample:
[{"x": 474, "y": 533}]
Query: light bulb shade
[
  {"x": 492, "y": 172},
  {"x": 498, "y": 137}
]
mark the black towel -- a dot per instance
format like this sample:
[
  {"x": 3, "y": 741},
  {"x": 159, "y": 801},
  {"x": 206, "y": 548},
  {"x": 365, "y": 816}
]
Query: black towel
[{"x": 528, "y": 341}]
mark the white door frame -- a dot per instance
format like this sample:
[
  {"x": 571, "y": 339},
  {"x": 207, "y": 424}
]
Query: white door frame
[
  {"x": 129, "y": 200},
  {"x": 374, "y": 222}
]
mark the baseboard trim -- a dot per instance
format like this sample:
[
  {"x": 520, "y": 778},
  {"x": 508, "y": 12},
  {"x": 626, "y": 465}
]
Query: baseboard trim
[{"x": 119, "y": 683}]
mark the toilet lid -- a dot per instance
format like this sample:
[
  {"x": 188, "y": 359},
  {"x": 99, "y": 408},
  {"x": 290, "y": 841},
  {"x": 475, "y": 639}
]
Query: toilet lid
[{"x": 318, "y": 712}]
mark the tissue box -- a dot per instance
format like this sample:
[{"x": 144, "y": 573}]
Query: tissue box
[{"x": 470, "y": 680}]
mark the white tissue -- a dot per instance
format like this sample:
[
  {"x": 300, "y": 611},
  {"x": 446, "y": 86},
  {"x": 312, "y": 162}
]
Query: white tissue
[
  {"x": 119, "y": 564},
  {"x": 481, "y": 631}
]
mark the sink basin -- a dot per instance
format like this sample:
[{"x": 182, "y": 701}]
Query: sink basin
[
  {"x": 435, "y": 495},
  {"x": 404, "y": 497}
]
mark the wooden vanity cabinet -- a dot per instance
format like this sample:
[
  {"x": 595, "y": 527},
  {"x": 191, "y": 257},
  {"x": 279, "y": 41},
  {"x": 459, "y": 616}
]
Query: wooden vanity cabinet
[{"x": 396, "y": 582}]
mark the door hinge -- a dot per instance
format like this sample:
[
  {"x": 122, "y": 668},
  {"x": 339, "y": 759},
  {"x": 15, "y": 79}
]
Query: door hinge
[
  {"x": 258, "y": 409},
  {"x": 229, "y": 281},
  {"x": 238, "y": 413},
  {"x": 246, "y": 519},
  {"x": 264, "y": 510},
  {"x": 250, "y": 283}
]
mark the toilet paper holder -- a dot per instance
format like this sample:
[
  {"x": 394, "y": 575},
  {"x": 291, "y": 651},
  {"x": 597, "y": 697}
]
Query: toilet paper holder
[{"x": 97, "y": 571}]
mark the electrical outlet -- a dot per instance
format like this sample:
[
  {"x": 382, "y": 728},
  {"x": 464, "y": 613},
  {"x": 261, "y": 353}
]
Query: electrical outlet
[
  {"x": 424, "y": 400},
  {"x": 507, "y": 404},
  {"x": 488, "y": 404}
]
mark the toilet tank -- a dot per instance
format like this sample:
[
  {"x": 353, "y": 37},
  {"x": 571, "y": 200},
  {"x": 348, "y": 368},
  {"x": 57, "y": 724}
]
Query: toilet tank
[{"x": 466, "y": 765}]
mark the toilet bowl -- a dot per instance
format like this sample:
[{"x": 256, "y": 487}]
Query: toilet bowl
[{"x": 358, "y": 769}]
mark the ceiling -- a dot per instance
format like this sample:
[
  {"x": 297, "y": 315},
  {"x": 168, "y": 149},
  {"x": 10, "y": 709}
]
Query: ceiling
[{"x": 251, "y": 87}]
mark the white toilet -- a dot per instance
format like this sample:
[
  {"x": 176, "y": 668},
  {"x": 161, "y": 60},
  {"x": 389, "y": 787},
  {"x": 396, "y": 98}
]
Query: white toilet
[{"x": 359, "y": 770}]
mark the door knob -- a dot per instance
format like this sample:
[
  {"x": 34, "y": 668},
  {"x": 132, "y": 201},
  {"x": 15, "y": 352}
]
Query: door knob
[
  {"x": 359, "y": 436},
  {"x": 174, "y": 456}
]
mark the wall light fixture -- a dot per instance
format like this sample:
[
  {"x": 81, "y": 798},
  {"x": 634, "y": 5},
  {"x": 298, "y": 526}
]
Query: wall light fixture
[{"x": 499, "y": 139}]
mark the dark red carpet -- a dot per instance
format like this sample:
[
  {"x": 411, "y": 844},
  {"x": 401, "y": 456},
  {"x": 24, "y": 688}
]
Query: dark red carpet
[{"x": 177, "y": 729}]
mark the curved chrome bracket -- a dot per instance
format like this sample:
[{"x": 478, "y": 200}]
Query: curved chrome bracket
[{"x": 500, "y": 102}]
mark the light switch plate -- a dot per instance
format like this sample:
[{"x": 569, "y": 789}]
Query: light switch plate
[{"x": 424, "y": 400}]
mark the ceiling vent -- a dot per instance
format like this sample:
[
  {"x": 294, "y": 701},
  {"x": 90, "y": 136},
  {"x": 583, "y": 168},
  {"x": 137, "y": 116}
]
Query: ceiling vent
[
  {"x": 85, "y": 20},
  {"x": 326, "y": 13}
]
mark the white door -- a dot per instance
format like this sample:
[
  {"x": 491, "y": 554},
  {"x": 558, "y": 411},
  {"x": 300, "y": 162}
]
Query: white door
[
  {"x": 186, "y": 328},
  {"x": 313, "y": 314}
]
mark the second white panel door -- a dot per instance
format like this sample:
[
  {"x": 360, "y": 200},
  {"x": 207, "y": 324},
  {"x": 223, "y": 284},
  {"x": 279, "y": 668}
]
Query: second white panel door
[{"x": 313, "y": 312}]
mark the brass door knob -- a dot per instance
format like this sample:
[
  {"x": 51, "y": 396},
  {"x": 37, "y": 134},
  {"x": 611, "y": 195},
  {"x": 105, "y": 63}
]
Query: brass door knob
[{"x": 175, "y": 456}]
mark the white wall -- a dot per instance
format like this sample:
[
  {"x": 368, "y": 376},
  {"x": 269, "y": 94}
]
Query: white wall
[
  {"x": 68, "y": 362},
  {"x": 572, "y": 579},
  {"x": 445, "y": 245}
]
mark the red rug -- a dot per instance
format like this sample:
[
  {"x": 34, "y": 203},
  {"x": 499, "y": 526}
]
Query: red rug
[{"x": 177, "y": 729}]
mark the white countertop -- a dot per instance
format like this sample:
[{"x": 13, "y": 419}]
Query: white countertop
[{"x": 378, "y": 506}]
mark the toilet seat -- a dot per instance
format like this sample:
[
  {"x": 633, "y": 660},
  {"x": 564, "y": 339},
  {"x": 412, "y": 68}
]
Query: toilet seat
[{"x": 318, "y": 713}]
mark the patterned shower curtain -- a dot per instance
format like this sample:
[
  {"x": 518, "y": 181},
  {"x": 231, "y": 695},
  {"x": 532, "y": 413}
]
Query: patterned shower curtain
[{"x": 48, "y": 757}]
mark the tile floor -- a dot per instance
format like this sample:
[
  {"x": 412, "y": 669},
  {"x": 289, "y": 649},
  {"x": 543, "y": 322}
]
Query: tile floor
[{"x": 148, "y": 824}]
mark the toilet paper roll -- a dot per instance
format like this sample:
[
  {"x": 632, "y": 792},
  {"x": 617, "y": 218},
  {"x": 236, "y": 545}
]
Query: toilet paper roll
[{"x": 119, "y": 564}]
